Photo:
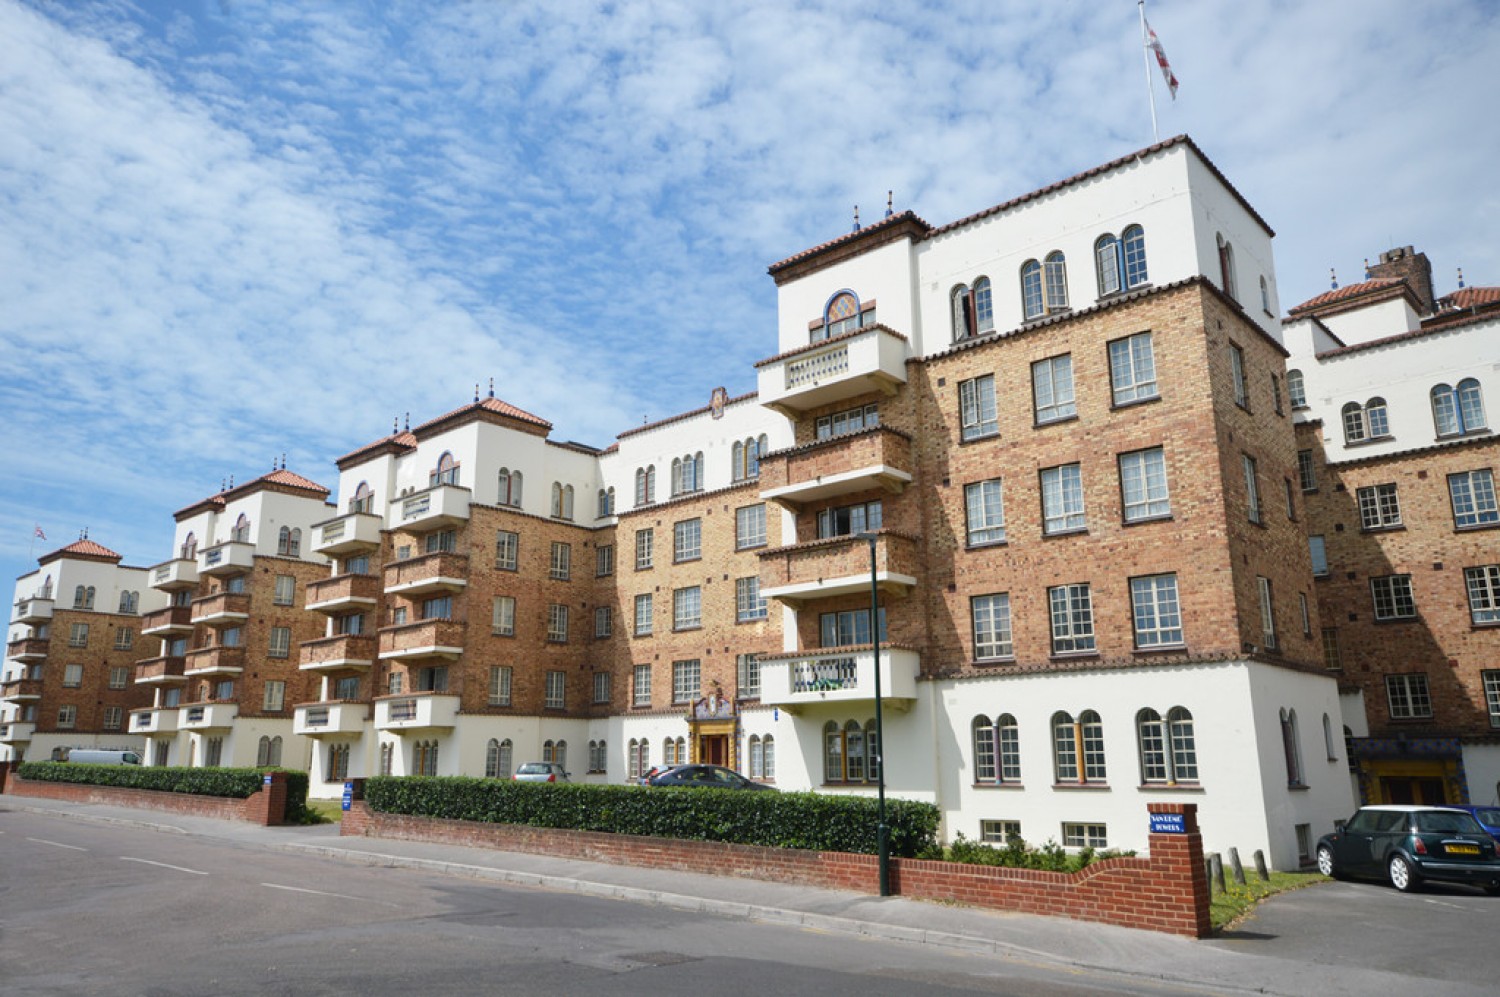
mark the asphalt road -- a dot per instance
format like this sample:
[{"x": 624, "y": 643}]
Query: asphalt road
[{"x": 116, "y": 910}]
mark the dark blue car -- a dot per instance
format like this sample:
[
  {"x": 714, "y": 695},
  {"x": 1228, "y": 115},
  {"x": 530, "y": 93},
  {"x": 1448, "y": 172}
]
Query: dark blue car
[{"x": 1488, "y": 817}]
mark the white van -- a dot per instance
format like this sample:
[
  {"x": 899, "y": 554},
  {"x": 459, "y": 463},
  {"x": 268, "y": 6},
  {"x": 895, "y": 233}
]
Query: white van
[{"x": 95, "y": 756}]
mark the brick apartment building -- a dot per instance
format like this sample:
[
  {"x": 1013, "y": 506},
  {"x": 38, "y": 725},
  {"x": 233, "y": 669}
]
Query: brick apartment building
[{"x": 1063, "y": 428}]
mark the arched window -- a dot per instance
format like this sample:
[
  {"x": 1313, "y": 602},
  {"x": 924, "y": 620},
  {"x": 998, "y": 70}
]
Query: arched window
[
  {"x": 1354, "y": 423},
  {"x": 273, "y": 757},
  {"x": 1184, "y": 754},
  {"x": 1151, "y": 735},
  {"x": 1108, "y": 264},
  {"x": 1265, "y": 295},
  {"x": 288, "y": 541},
  {"x": 562, "y": 500},
  {"x": 263, "y": 751},
  {"x": 1091, "y": 731},
  {"x": 854, "y": 752},
  {"x": 190, "y": 547},
  {"x": 668, "y": 751},
  {"x": 984, "y": 749},
  {"x": 509, "y": 490},
  {"x": 1459, "y": 410},
  {"x": 762, "y": 447},
  {"x": 560, "y": 754},
  {"x": 645, "y": 485},
  {"x": 633, "y": 768},
  {"x": 387, "y": 753},
  {"x": 1296, "y": 389},
  {"x": 83, "y": 597},
  {"x": 606, "y": 502},
  {"x": 1167, "y": 749},
  {"x": 1133, "y": 241},
  {"x": 973, "y": 310},
  {"x": 737, "y": 460},
  {"x": 833, "y": 752},
  {"x": 1033, "y": 303},
  {"x": 1056, "y": 273},
  {"x": 1328, "y": 739},
  {"x": 446, "y": 472},
  {"x": 676, "y": 475},
  {"x": 1376, "y": 419},
  {"x": 1226, "y": 267},
  {"x": 1290, "y": 748},
  {"x": 963, "y": 313},
  {"x": 547, "y": 751},
  {"x": 1121, "y": 263},
  {"x": 241, "y": 531},
  {"x": 424, "y": 757},
  {"x": 363, "y": 498},
  {"x": 1064, "y": 748},
  {"x": 1367, "y": 422},
  {"x": 338, "y": 762},
  {"x": 842, "y": 314},
  {"x": 130, "y": 602},
  {"x": 497, "y": 758}
]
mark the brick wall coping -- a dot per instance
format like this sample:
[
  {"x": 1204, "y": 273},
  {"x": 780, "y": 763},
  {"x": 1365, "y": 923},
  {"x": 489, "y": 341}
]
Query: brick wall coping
[{"x": 838, "y": 541}]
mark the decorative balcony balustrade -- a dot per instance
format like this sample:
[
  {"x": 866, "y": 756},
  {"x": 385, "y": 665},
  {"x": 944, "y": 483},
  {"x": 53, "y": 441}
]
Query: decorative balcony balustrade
[
  {"x": 178, "y": 573},
  {"x": 331, "y": 718},
  {"x": 230, "y": 558},
  {"x": 416, "y": 712},
  {"x": 207, "y": 716},
  {"x": 839, "y": 675},
  {"x": 856, "y": 363},
  {"x": 348, "y": 534}
]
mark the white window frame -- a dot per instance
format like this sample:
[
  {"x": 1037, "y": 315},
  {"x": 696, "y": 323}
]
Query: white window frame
[
  {"x": 687, "y": 540},
  {"x": 749, "y": 604},
  {"x": 750, "y": 527},
  {"x": 500, "y": 685},
  {"x": 1408, "y": 696},
  {"x": 687, "y": 680},
  {"x": 560, "y": 564},
  {"x": 984, "y": 512},
  {"x": 640, "y": 686},
  {"x": 280, "y": 645},
  {"x": 273, "y": 697},
  {"x": 1132, "y": 369},
  {"x": 1062, "y": 500},
  {"x": 977, "y": 415},
  {"x": 1472, "y": 495},
  {"x": 1482, "y": 585},
  {"x": 990, "y": 619},
  {"x": 645, "y": 542},
  {"x": 507, "y": 550},
  {"x": 556, "y": 690},
  {"x": 557, "y": 623},
  {"x": 1379, "y": 506},
  {"x": 1071, "y": 610},
  {"x": 1393, "y": 597},
  {"x": 503, "y": 616},
  {"x": 687, "y": 608},
  {"x": 1156, "y": 612},
  {"x": 1053, "y": 398},
  {"x": 1144, "y": 493},
  {"x": 644, "y": 616}
]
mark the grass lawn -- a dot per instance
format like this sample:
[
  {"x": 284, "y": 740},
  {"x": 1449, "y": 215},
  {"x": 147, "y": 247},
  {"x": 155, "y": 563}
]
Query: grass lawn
[
  {"x": 328, "y": 811},
  {"x": 1227, "y": 908}
]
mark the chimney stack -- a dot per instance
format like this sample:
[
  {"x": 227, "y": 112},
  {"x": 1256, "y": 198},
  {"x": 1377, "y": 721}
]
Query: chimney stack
[{"x": 1412, "y": 267}]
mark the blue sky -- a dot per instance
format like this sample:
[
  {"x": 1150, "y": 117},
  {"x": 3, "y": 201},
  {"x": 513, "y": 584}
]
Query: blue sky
[{"x": 231, "y": 230}]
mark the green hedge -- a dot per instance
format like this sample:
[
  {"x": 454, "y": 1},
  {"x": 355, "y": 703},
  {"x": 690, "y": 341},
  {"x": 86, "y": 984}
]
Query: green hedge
[
  {"x": 809, "y": 821},
  {"x": 233, "y": 783}
]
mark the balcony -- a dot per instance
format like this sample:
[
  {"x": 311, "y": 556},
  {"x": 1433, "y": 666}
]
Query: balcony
[
  {"x": 215, "y": 661},
  {"x": 343, "y": 594},
  {"x": 223, "y": 609},
  {"x": 847, "y": 366},
  {"x": 27, "y": 649},
  {"x": 32, "y": 611},
  {"x": 166, "y": 670},
  {"x": 842, "y": 465},
  {"x": 231, "y": 558},
  {"x": 421, "y": 711},
  {"x": 163, "y": 721},
  {"x": 21, "y": 690},
  {"x": 821, "y": 569},
  {"x": 207, "y": 716},
  {"x": 16, "y": 732},
  {"x": 170, "y": 622},
  {"x": 178, "y": 573},
  {"x": 347, "y": 534},
  {"x": 327, "y": 719},
  {"x": 430, "y": 508},
  {"x": 424, "y": 639},
  {"x": 338, "y": 653},
  {"x": 839, "y": 675},
  {"x": 440, "y": 572}
]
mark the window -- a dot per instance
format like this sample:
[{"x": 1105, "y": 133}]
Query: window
[
  {"x": 1158, "y": 616},
  {"x": 213, "y": 752},
  {"x": 274, "y": 696},
  {"x": 604, "y": 621},
  {"x": 1121, "y": 263},
  {"x": 991, "y": 616},
  {"x": 984, "y": 509},
  {"x": 1052, "y": 389},
  {"x": 1296, "y": 389},
  {"x": 762, "y": 757},
  {"x": 846, "y": 749},
  {"x": 997, "y": 752},
  {"x": 557, "y": 623},
  {"x": 1267, "y": 613},
  {"x": 72, "y": 676},
  {"x": 1062, "y": 499},
  {"x": 1132, "y": 369},
  {"x": 1306, "y": 614},
  {"x": 601, "y": 692},
  {"x": 687, "y": 540},
  {"x": 749, "y": 527},
  {"x": 976, "y": 408},
  {"x": 241, "y": 531},
  {"x": 189, "y": 547},
  {"x": 557, "y": 685},
  {"x": 851, "y": 421},
  {"x": 604, "y": 560},
  {"x": 346, "y": 689},
  {"x": 1265, "y": 296},
  {"x": 439, "y": 607},
  {"x": 1276, "y": 394},
  {"x": 645, "y": 485},
  {"x": 850, "y": 628},
  {"x": 973, "y": 310},
  {"x": 640, "y": 686},
  {"x": 1305, "y": 476},
  {"x": 83, "y": 597},
  {"x": 1317, "y": 547},
  {"x": 999, "y": 832},
  {"x": 503, "y": 616},
  {"x": 129, "y": 602},
  {"x": 643, "y": 546},
  {"x": 749, "y": 604},
  {"x": 1492, "y": 696},
  {"x": 848, "y": 520},
  {"x": 497, "y": 759},
  {"x": 433, "y": 679},
  {"x": 1237, "y": 372},
  {"x": 1072, "y": 612},
  {"x": 1169, "y": 753},
  {"x": 643, "y": 615},
  {"x": 281, "y": 643},
  {"x": 1473, "y": 494},
  {"x": 686, "y": 680},
  {"x": 638, "y": 757},
  {"x": 1378, "y": 507},
  {"x": 387, "y": 758},
  {"x": 507, "y": 547},
  {"x": 234, "y": 583},
  {"x": 746, "y": 455},
  {"x": 842, "y": 315},
  {"x": 606, "y": 502},
  {"x": 446, "y": 472},
  {"x": 1068, "y": 736},
  {"x": 560, "y": 567},
  {"x": 597, "y": 756},
  {"x": 78, "y": 635},
  {"x": 441, "y": 542},
  {"x": 1055, "y": 276},
  {"x": 232, "y": 637},
  {"x": 289, "y": 542},
  {"x": 1483, "y": 586},
  {"x": 67, "y": 716},
  {"x": 562, "y": 500},
  {"x": 1226, "y": 268},
  {"x": 1458, "y": 410},
  {"x": 1393, "y": 597},
  {"x": 1332, "y": 660},
  {"x": 119, "y": 676},
  {"x": 747, "y": 670},
  {"x": 114, "y": 719},
  {"x": 1079, "y": 835},
  {"x": 286, "y": 588},
  {"x": 687, "y": 474},
  {"x": 1252, "y": 489},
  {"x": 1143, "y": 485},
  {"x": 508, "y": 491},
  {"x": 687, "y": 608},
  {"x": 1367, "y": 422},
  {"x": 424, "y": 757},
  {"x": 1408, "y": 697},
  {"x": 500, "y": 677},
  {"x": 124, "y": 638}
]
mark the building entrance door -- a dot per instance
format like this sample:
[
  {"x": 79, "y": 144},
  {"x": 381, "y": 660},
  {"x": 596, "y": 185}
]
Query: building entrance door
[
  {"x": 714, "y": 749},
  {"x": 1406, "y": 789}
]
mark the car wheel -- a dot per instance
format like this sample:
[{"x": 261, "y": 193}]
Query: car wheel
[
  {"x": 1403, "y": 877},
  {"x": 1325, "y": 863}
]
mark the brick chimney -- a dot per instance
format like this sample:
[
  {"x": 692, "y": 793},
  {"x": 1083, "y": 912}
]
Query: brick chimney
[{"x": 1412, "y": 267}]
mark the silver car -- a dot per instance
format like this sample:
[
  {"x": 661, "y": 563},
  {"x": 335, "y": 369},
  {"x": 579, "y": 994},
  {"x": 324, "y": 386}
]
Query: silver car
[{"x": 540, "y": 772}]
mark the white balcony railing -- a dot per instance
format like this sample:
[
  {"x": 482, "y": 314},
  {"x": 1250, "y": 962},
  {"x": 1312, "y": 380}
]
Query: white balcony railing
[
  {"x": 163, "y": 721},
  {"x": 230, "y": 558},
  {"x": 325, "y": 719},
  {"x": 32, "y": 611},
  {"x": 207, "y": 716},
  {"x": 439, "y": 505},
  {"x": 348, "y": 533},
  {"x": 16, "y": 732},
  {"x": 421, "y": 711},
  {"x": 178, "y": 573},
  {"x": 872, "y": 360},
  {"x": 845, "y": 675}
]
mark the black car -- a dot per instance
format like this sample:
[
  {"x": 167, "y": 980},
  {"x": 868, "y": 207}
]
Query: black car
[
  {"x": 704, "y": 777},
  {"x": 1410, "y": 844}
]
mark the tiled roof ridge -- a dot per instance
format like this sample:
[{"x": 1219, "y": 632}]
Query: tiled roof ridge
[
  {"x": 901, "y": 217},
  {"x": 684, "y": 415},
  {"x": 396, "y": 440},
  {"x": 1444, "y": 444},
  {"x": 1433, "y": 328},
  {"x": 489, "y": 404},
  {"x": 82, "y": 547},
  {"x": 1372, "y": 285}
]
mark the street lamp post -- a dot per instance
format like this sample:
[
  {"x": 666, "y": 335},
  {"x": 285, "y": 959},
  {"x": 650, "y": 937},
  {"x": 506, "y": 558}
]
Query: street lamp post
[{"x": 882, "y": 829}]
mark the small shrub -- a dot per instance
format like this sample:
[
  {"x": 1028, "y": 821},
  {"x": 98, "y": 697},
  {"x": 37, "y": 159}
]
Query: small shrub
[{"x": 1050, "y": 857}]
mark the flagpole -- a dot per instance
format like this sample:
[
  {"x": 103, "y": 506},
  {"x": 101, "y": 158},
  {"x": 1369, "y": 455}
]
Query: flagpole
[{"x": 1146, "y": 57}]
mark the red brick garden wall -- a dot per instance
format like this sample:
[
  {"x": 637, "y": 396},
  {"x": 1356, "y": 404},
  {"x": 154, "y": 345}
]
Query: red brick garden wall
[{"x": 267, "y": 807}]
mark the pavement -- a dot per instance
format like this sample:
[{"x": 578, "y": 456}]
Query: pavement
[{"x": 1227, "y": 964}]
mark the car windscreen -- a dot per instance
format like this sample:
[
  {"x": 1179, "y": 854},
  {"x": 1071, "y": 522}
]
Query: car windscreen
[
  {"x": 1490, "y": 816},
  {"x": 1447, "y": 822}
]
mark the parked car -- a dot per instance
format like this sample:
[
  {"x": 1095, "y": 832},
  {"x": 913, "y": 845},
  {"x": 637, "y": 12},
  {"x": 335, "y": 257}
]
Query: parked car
[
  {"x": 1410, "y": 844},
  {"x": 540, "y": 772},
  {"x": 710, "y": 776},
  {"x": 1488, "y": 817},
  {"x": 653, "y": 772}
]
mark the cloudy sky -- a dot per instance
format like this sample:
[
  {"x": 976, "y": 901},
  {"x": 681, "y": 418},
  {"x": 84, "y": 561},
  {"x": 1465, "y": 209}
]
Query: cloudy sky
[{"x": 231, "y": 230}]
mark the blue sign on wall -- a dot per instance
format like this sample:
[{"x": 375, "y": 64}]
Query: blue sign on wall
[
  {"x": 1169, "y": 823},
  {"x": 268, "y": 779},
  {"x": 348, "y": 794}
]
